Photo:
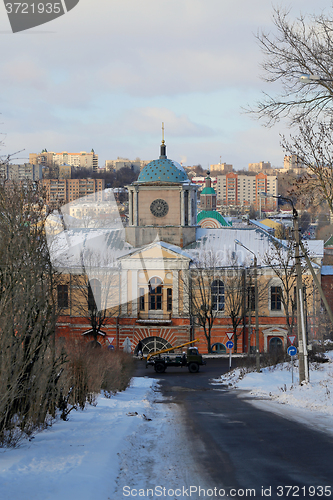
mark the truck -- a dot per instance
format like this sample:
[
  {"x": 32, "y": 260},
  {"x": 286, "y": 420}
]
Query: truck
[{"x": 190, "y": 358}]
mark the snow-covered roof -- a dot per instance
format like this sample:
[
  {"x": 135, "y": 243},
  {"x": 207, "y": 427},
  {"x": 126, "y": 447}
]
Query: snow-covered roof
[
  {"x": 327, "y": 271},
  {"x": 221, "y": 243}
]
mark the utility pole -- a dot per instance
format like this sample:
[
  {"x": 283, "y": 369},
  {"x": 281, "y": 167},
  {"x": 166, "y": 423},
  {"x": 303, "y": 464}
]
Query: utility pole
[
  {"x": 257, "y": 311},
  {"x": 299, "y": 290}
]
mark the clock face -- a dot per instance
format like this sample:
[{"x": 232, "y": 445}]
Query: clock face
[{"x": 159, "y": 207}]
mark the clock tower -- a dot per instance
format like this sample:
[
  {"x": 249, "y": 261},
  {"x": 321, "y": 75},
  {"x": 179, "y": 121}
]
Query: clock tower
[{"x": 163, "y": 204}]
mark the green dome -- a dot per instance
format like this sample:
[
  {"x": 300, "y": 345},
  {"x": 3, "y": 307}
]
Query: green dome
[
  {"x": 163, "y": 170},
  {"x": 208, "y": 190},
  {"x": 212, "y": 214}
]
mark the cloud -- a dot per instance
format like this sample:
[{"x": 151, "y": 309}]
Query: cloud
[
  {"x": 109, "y": 72},
  {"x": 148, "y": 120}
]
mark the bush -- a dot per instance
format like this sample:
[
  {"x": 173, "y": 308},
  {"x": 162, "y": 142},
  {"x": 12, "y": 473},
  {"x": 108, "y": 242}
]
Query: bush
[
  {"x": 90, "y": 370},
  {"x": 272, "y": 358}
]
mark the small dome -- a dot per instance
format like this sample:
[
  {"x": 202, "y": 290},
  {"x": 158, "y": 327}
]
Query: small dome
[
  {"x": 205, "y": 217},
  {"x": 208, "y": 190}
]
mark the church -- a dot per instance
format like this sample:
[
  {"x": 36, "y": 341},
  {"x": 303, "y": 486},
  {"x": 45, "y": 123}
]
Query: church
[{"x": 157, "y": 259}]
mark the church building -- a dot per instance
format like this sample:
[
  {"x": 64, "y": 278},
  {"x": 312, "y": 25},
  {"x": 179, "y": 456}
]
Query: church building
[{"x": 154, "y": 261}]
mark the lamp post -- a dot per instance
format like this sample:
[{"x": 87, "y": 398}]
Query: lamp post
[
  {"x": 255, "y": 265},
  {"x": 308, "y": 78}
]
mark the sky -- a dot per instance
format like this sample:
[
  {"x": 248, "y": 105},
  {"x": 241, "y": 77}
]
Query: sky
[{"x": 107, "y": 74}]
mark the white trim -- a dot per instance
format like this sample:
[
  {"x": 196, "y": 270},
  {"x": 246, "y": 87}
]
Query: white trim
[{"x": 274, "y": 331}]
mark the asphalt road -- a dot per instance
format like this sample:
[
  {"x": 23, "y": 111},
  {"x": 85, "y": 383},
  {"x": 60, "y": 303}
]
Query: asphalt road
[{"x": 242, "y": 448}]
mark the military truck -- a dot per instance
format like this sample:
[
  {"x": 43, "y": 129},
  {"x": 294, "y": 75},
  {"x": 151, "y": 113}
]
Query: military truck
[{"x": 190, "y": 358}]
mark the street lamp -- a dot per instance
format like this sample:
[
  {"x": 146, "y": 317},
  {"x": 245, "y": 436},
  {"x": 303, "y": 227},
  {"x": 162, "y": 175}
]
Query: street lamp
[
  {"x": 255, "y": 264},
  {"x": 308, "y": 78}
]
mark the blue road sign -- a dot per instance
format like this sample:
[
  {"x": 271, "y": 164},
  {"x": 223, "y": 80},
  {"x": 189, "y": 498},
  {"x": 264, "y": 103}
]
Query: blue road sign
[
  {"x": 292, "y": 351},
  {"x": 230, "y": 344}
]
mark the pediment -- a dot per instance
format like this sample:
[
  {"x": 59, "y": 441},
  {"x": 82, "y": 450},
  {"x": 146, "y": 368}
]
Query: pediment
[
  {"x": 157, "y": 251},
  {"x": 275, "y": 330}
]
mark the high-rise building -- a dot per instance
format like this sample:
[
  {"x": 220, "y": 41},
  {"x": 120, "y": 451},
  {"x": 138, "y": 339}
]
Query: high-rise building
[
  {"x": 261, "y": 166},
  {"x": 82, "y": 159},
  {"x": 20, "y": 172},
  {"x": 221, "y": 167},
  {"x": 61, "y": 191},
  {"x": 244, "y": 189},
  {"x": 135, "y": 165},
  {"x": 292, "y": 162}
]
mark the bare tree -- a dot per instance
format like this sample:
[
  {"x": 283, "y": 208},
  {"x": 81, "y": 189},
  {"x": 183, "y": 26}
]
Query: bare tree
[
  {"x": 283, "y": 263},
  {"x": 95, "y": 290},
  {"x": 235, "y": 297},
  {"x": 203, "y": 288},
  {"x": 29, "y": 364},
  {"x": 303, "y": 46},
  {"x": 313, "y": 147}
]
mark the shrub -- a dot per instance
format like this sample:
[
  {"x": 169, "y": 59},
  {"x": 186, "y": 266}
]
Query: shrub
[{"x": 90, "y": 370}]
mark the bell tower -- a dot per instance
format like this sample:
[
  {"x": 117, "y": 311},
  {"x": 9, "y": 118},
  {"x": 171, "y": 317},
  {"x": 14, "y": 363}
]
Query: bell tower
[{"x": 162, "y": 203}]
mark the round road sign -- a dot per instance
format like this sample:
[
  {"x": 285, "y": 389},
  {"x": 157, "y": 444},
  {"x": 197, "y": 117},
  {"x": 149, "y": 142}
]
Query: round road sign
[
  {"x": 292, "y": 351},
  {"x": 230, "y": 344}
]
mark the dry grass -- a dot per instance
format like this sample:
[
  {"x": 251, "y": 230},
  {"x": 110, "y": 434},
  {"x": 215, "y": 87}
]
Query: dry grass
[{"x": 89, "y": 371}]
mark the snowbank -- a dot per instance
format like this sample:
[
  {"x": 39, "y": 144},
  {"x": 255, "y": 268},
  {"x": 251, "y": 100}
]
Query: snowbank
[
  {"x": 78, "y": 458},
  {"x": 129, "y": 441},
  {"x": 309, "y": 403}
]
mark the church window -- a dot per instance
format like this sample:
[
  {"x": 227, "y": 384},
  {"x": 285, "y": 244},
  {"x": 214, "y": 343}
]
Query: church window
[
  {"x": 169, "y": 299},
  {"x": 155, "y": 294},
  {"x": 62, "y": 296},
  {"x": 94, "y": 295},
  {"x": 276, "y": 293},
  {"x": 217, "y": 291},
  {"x": 142, "y": 299}
]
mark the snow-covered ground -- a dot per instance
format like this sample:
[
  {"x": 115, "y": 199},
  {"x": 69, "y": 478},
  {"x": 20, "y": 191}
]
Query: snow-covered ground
[
  {"x": 128, "y": 442},
  {"x": 132, "y": 442},
  {"x": 273, "y": 390}
]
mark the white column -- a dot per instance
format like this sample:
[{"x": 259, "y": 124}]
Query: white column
[
  {"x": 134, "y": 293},
  {"x": 136, "y": 208},
  {"x": 124, "y": 297},
  {"x": 130, "y": 206},
  {"x": 175, "y": 294}
]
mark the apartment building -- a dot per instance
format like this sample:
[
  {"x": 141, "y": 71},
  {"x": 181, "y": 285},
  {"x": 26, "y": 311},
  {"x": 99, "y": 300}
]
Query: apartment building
[
  {"x": 21, "y": 172},
  {"x": 135, "y": 165},
  {"x": 62, "y": 191},
  {"x": 244, "y": 190},
  {"x": 82, "y": 159},
  {"x": 261, "y": 166},
  {"x": 221, "y": 167}
]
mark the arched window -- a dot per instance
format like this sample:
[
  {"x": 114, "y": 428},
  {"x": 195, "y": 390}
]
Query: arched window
[
  {"x": 94, "y": 295},
  {"x": 217, "y": 290},
  {"x": 155, "y": 294}
]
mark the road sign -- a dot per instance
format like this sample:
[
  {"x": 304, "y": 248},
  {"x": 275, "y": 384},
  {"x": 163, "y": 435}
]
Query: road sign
[
  {"x": 291, "y": 339},
  {"x": 229, "y": 335},
  {"x": 292, "y": 351},
  {"x": 230, "y": 344}
]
